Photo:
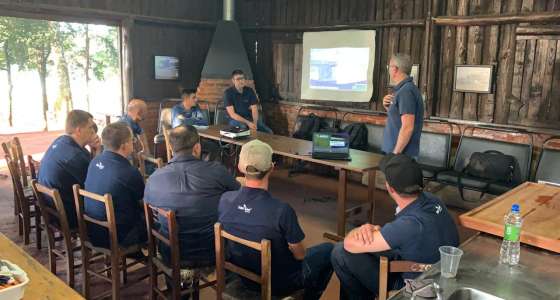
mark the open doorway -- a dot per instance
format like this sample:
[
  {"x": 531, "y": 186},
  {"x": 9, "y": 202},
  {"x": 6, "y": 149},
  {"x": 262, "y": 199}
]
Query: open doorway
[{"x": 48, "y": 68}]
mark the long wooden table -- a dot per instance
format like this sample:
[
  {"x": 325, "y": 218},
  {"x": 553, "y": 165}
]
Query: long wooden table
[
  {"x": 362, "y": 162},
  {"x": 540, "y": 209},
  {"x": 42, "y": 283}
]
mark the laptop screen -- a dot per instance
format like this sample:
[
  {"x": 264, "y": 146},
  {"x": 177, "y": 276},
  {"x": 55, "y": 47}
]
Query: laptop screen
[{"x": 330, "y": 142}]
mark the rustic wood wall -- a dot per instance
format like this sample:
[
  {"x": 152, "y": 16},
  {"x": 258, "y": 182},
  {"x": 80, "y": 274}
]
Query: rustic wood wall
[{"x": 527, "y": 66}]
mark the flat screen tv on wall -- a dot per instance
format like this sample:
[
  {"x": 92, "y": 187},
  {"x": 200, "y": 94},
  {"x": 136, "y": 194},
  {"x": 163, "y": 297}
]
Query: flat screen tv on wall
[{"x": 166, "y": 67}]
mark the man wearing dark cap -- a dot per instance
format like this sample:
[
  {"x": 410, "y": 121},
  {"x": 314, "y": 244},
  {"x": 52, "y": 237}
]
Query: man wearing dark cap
[{"x": 422, "y": 224}]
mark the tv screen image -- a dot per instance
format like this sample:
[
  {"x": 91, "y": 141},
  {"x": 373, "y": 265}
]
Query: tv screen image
[{"x": 166, "y": 67}]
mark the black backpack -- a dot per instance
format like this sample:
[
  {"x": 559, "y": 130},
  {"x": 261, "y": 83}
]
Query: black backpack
[
  {"x": 358, "y": 133},
  {"x": 309, "y": 125}
]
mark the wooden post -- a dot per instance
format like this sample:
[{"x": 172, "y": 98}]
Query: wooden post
[
  {"x": 127, "y": 82},
  {"x": 486, "y": 103},
  {"x": 447, "y": 64},
  {"x": 431, "y": 58},
  {"x": 474, "y": 53},
  {"x": 456, "y": 111},
  {"x": 341, "y": 203}
]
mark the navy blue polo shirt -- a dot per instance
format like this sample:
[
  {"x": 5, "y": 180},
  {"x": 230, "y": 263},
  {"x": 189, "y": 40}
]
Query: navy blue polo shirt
[
  {"x": 134, "y": 126},
  {"x": 407, "y": 100},
  {"x": 111, "y": 173},
  {"x": 241, "y": 102},
  {"x": 193, "y": 116},
  {"x": 419, "y": 230},
  {"x": 253, "y": 214},
  {"x": 192, "y": 188},
  {"x": 64, "y": 164}
]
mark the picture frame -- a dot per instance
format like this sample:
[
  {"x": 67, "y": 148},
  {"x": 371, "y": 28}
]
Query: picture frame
[
  {"x": 414, "y": 73},
  {"x": 473, "y": 79}
]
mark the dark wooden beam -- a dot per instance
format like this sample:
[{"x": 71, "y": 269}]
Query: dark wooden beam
[
  {"x": 361, "y": 25},
  {"x": 538, "y": 30},
  {"x": 511, "y": 18},
  {"x": 89, "y": 15}
]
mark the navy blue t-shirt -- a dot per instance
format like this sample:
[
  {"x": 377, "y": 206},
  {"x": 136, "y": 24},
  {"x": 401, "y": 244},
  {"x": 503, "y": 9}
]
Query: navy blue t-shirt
[
  {"x": 65, "y": 163},
  {"x": 192, "y": 188},
  {"x": 193, "y": 116},
  {"x": 407, "y": 100},
  {"x": 111, "y": 173},
  {"x": 253, "y": 214},
  {"x": 241, "y": 102},
  {"x": 419, "y": 230},
  {"x": 135, "y": 127}
]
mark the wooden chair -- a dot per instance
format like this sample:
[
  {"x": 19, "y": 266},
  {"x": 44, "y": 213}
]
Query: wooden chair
[
  {"x": 56, "y": 222},
  {"x": 116, "y": 254},
  {"x": 33, "y": 167},
  {"x": 264, "y": 279},
  {"x": 396, "y": 266},
  {"x": 7, "y": 147},
  {"x": 143, "y": 158},
  {"x": 27, "y": 207},
  {"x": 173, "y": 273},
  {"x": 168, "y": 150}
]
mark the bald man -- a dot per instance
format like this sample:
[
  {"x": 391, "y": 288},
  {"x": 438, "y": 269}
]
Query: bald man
[{"x": 135, "y": 112}]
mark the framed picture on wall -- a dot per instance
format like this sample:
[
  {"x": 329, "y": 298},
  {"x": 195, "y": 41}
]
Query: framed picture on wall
[
  {"x": 473, "y": 79},
  {"x": 414, "y": 73}
]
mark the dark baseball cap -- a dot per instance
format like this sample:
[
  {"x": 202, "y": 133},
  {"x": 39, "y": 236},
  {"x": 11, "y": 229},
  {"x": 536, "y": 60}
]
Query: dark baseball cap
[{"x": 402, "y": 173}]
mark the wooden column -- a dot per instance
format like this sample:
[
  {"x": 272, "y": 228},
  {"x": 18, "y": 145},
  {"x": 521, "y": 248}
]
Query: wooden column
[
  {"x": 474, "y": 53},
  {"x": 456, "y": 111},
  {"x": 447, "y": 64}
]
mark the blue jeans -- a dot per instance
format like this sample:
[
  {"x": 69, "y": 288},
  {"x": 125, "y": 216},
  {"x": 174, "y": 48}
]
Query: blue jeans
[
  {"x": 316, "y": 271},
  {"x": 359, "y": 274},
  {"x": 260, "y": 125}
]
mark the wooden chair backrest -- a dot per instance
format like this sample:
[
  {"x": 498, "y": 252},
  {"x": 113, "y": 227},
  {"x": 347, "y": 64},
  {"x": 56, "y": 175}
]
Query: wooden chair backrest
[
  {"x": 143, "y": 158},
  {"x": 153, "y": 215},
  {"x": 22, "y": 202},
  {"x": 18, "y": 151},
  {"x": 396, "y": 266},
  {"x": 55, "y": 218},
  {"x": 33, "y": 166},
  {"x": 221, "y": 264},
  {"x": 7, "y": 147},
  {"x": 84, "y": 218},
  {"x": 168, "y": 149}
]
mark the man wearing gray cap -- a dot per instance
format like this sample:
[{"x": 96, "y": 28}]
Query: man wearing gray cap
[
  {"x": 252, "y": 213},
  {"x": 422, "y": 224}
]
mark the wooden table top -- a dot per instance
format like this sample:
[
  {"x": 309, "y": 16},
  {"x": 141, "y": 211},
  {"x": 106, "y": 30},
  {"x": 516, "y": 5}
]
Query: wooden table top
[
  {"x": 362, "y": 161},
  {"x": 43, "y": 284},
  {"x": 540, "y": 209}
]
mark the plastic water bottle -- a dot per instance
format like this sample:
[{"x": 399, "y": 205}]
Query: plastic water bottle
[{"x": 509, "y": 252}]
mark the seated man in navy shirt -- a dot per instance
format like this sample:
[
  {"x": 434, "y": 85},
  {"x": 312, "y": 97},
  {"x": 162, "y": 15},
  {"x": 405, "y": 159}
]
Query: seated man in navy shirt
[
  {"x": 189, "y": 113},
  {"x": 422, "y": 224},
  {"x": 192, "y": 188},
  {"x": 253, "y": 214},
  {"x": 241, "y": 102},
  {"x": 405, "y": 110},
  {"x": 66, "y": 161},
  {"x": 136, "y": 111},
  {"x": 111, "y": 173}
]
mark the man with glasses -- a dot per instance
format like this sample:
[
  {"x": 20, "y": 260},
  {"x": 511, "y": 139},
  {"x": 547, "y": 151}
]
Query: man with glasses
[
  {"x": 405, "y": 110},
  {"x": 66, "y": 161},
  {"x": 241, "y": 102}
]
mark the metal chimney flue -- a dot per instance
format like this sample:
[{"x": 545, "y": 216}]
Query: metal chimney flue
[{"x": 229, "y": 10}]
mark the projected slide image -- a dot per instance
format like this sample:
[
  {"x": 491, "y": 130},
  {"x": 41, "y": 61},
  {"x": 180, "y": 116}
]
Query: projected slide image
[
  {"x": 166, "y": 67},
  {"x": 343, "y": 69}
]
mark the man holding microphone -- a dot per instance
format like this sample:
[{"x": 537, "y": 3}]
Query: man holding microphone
[{"x": 405, "y": 110}]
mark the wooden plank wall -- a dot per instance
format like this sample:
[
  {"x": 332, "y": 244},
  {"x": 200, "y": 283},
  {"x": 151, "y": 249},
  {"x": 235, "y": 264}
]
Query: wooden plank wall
[{"x": 527, "y": 69}]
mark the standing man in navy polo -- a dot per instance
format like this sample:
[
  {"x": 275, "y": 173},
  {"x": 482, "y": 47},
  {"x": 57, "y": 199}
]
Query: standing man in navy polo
[
  {"x": 189, "y": 113},
  {"x": 252, "y": 213},
  {"x": 136, "y": 111},
  {"x": 111, "y": 173},
  {"x": 66, "y": 161},
  {"x": 422, "y": 224},
  {"x": 241, "y": 102},
  {"x": 405, "y": 110},
  {"x": 192, "y": 188}
]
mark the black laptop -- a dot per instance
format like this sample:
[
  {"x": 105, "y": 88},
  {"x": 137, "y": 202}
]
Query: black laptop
[{"x": 334, "y": 146}]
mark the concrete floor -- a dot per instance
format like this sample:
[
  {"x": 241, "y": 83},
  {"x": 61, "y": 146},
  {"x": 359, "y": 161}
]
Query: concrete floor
[{"x": 313, "y": 198}]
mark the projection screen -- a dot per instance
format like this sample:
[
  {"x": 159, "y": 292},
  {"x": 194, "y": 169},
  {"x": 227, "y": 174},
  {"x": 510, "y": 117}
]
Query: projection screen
[{"x": 338, "y": 65}]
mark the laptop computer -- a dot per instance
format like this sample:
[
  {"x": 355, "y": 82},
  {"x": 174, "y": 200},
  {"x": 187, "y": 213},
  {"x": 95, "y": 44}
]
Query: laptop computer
[{"x": 333, "y": 146}]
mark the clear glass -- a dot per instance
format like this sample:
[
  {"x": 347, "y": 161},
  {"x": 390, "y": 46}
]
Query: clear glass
[{"x": 449, "y": 260}]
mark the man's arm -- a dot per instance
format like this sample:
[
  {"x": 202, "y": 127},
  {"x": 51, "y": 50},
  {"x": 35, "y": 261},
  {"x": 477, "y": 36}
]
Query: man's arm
[
  {"x": 298, "y": 250},
  {"x": 145, "y": 145},
  {"x": 364, "y": 239},
  {"x": 407, "y": 128},
  {"x": 232, "y": 114},
  {"x": 255, "y": 113}
]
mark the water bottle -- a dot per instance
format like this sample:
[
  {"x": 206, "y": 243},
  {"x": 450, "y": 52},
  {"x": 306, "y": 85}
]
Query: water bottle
[{"x": 509, "y": 252}]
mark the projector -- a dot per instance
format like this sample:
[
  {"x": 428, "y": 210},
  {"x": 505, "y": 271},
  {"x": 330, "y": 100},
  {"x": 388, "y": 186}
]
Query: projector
[{"x": 235, "y": 132}]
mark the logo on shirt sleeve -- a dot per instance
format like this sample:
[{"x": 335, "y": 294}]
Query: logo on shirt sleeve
[
  {"x": 54, "y": 146},
  {"x": 100, "y": 166},
  {"x": 438, "y": 209},
  {"x": 244, "y": 209}
]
